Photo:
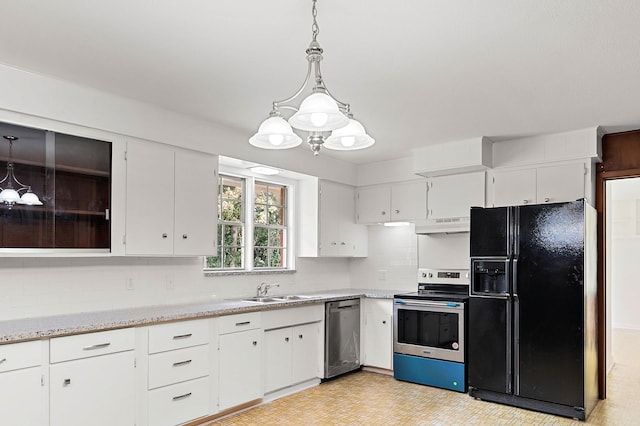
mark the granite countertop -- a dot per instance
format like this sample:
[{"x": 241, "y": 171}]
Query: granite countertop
[{"x": 61, "y": 325}]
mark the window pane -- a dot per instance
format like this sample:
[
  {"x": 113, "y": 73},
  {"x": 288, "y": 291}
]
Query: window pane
[
  {"x": 260, "y": 237},
  {"x": 276, "y": 237},
  {"x": 276, "y": 258},
  {"x": 276, "y": 216},
  {"x": 233, "y": 235},
  {"x": 260, "y": 258},
  {"x": 260, "y": 214},
  {"x": 231, "y": 211},
  {"x": 276, "y": 195},
  {"x": 233, "y": 257}
]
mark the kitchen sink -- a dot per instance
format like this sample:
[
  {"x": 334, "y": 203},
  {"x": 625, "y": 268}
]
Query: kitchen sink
[
  {"x": 291, "y": 297},
  {"x": 262, "y": 299}
]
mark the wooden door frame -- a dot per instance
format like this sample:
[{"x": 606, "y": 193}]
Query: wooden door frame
[{"x": 620, "y": 160}]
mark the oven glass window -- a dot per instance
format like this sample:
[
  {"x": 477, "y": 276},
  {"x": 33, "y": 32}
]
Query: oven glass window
[{"x": 428, "y": 328}]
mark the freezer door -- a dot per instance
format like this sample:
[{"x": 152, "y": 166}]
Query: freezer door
[
  {"x": 489, "y": 344},
  {"x": 490, "y": 232},
  {"x": 549, "y": 287}
]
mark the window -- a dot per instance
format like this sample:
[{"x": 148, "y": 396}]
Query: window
[
  {"x": 251, "y": 208},
  {"x": 269, "y": 225}
]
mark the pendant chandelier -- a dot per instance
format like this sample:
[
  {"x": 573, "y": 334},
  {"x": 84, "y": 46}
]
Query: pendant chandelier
[
  {"x": 319, "y": 113},
  {"x": 10, "y": 187}
]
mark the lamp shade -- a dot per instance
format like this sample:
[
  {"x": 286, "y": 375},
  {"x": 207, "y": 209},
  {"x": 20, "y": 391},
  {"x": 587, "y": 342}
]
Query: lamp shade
[
  {"x": 30, "y": 199},
  {"x": 318, "y": 113},
  {"x": 350, "y": 137},
  {"x": 9, "y": 196},
  {"x": 275, "y": 133}
]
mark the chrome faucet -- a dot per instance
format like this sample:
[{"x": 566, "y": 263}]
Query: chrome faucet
[{"x": 263, "y": 288}]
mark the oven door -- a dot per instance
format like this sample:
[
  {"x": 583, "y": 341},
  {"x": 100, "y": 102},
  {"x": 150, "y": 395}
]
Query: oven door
[{"x": 429, "y": 329}]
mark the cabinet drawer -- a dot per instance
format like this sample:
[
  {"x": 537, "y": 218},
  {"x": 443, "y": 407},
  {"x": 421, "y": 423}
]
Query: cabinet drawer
[
  {"x": 178, "y": 335},
  {"x": 179, "y": 403},
  {"x": 91, "y": 344},
  {"x": 240, "y": 322},
  {"x": 178, "y": 366},
  {"x": 14, "y": 356}
]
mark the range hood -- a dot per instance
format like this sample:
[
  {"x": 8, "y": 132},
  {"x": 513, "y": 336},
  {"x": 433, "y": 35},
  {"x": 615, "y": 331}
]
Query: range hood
[{"x": 449, "y": 225}]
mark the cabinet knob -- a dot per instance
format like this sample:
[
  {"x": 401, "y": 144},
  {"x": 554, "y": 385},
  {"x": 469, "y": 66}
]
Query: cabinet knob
[
  {"x": 333, "y": 243},
  {"x": 397, "y": 211},
  {"x": 547, "y": 199},
  {"x": 66, "y": 382},
  {"x": 184, "y": 236},
  {"x": 383, "y": 213},
  {"x": 255, "y": 343},
  {"x": 384, "y": 322},
  {"x": 525, "y": 202},
  {"x": 299, "y": 336},
  {"x": 343, "y": 243},
  {"x": 164, "y": 235},
  {"x": 286, "y": 339}
]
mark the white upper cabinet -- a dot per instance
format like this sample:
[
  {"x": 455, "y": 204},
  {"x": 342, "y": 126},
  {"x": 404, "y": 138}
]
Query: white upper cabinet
[
  {"x": 396, "y": 202},
  {"x": 452, "y": 196},
  {"x": 171, "y": 201},
  {"x": 548, "y": 184},
  {"x": 326, "y": 221}
]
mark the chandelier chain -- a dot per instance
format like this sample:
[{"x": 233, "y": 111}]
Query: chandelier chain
[{"x": 315, "y": 29}]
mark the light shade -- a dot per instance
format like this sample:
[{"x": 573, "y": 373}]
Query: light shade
[
  {"x": 10, "y": 196},
  {"x": 275, "y": 133},
  {"x": 318, "y": 113},
  {"x": 350, "y": 137},
  {"x": 30, "y": 199}
]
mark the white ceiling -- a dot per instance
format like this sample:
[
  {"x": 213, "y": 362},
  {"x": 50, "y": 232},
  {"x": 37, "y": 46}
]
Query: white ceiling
[{"x": 415, "y": 72}]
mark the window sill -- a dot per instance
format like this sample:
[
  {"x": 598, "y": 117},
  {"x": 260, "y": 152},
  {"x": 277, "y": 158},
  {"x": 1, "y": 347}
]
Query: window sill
[{"x": 223, "y": 272}]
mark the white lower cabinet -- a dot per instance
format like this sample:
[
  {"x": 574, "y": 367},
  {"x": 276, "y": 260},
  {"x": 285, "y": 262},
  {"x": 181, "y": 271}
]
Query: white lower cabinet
[
  {"x": 240, "y": 359},
  {"x": 290, "y": 355},
  {"x": 92, "y": 379},
  {"x": 22, "y": 384},
  {"x": 179, "y": 403},
  {"x": 378, "y": 333}
]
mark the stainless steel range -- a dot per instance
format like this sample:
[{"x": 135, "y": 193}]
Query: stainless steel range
[{"x": 429, "y": 330}]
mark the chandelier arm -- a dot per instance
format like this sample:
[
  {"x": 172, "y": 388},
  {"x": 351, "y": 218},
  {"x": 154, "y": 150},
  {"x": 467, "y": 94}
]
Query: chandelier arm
[
  {"x": 23, "y": 187},
  {"x": 280, "y": 104},
  {"x": 320, "y": 83}
]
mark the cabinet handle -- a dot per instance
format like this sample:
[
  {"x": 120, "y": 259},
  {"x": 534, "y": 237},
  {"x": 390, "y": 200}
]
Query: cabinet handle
[
  {"x": 397, "y": 211},
  {"x": 164, "y": 235},
  {"x": 182, "y": 336},
  {"x": 3, "y": 360},
  {"x": 66, "y": 382},
  {"x": 525, "y": 202},
  {"x": 343, "y": 243},
  {"x": 243, "y": 323},
  {"x": 179, "y": 397},
  {"x": 184, "y": 236},
  {"x": 98, "y": 346},
  {"x": 299, "y": 336},
  {"x": 547, "y": 199},
  {"x": 286, "y": 339},
  {"x": 181, "y": 363},
  {"x": 255, "y": 343},
  {"x": 333, "y": 243}
]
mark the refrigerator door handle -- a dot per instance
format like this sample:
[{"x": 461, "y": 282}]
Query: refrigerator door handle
[
  {"x": 516, "y": 344},
  {"x": 514, "y": 276},
  {"x": 509, "y": 340}
]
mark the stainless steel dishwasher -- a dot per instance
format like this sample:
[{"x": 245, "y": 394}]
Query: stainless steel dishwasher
[{"x": 342, "y": 337}]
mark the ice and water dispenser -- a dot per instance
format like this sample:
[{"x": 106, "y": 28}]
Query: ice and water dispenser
[{"x": 490, "y": 277}]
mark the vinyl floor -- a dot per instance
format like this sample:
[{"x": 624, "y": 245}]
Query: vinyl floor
[{"x": 366, "y": 398}]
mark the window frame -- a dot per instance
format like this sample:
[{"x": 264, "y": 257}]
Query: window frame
[{"x": 249, "y": 181}]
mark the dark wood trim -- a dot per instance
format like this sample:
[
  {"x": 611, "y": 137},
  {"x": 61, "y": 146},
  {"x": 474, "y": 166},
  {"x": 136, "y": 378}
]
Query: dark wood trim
[{"x": 620, "y": 160}]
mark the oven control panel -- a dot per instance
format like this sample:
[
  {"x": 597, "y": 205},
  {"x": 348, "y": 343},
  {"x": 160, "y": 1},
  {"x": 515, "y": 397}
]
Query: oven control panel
[{"x": 443, "y": 276}]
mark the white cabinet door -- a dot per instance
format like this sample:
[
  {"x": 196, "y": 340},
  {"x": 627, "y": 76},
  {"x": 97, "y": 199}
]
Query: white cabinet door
[
  {"x": 240, "y": 371},
  {"x": 196, "y": 198},
  {"x": 560, "y": 183},
  {"x": 21, "y": 400},
  {"x": 305, "y": 352},
  {"x": 409, "y": 201},
  {"x": 373, "y": 204},
  {"x": 340, "y": 236},
  {"x": 453, "y": 196},
  {"x": 378, "y": 333},
  {"x": 171, "y": 201},
  {"x": 514, "y": 187},
  {"x": 278, "y": 357},
  {"x": 93, "y": 391},
  {"x": 149, "y": 200}
]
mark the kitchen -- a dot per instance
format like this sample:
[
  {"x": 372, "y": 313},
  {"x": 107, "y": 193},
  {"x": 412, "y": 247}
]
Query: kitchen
[{"x": 46, "y": 286}]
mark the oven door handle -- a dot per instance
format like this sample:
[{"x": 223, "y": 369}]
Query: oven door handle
[{"x": 428, "y": 303}]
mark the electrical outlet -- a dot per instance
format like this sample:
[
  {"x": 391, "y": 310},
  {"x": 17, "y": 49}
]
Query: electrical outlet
[{"x": 129, "y": 284}]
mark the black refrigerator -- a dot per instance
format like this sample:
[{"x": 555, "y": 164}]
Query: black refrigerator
[{"x": 532, "y": 311}]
